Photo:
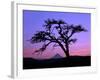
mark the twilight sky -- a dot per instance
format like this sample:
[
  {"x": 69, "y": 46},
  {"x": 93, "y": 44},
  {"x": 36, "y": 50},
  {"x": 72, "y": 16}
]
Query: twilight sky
[{"x": 34, "y": 20}]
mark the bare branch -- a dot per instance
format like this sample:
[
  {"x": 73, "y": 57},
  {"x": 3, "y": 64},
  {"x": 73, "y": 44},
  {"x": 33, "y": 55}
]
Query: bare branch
[
  {"x": 72, "y": 41},
  {"x": 55, "y": 45},
  {"x": 43, "y": 48},
  {"x": 76, "y": 29}
]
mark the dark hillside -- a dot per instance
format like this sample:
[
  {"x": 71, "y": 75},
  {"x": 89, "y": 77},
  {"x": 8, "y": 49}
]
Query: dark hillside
[{"x": 72, "y": 61}]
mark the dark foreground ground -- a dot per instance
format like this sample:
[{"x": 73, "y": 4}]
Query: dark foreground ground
[{"x": 73, "y": 61}]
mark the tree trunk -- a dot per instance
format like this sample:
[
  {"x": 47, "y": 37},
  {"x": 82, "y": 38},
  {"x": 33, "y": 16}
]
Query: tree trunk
[{"x": 67, "y": 51}]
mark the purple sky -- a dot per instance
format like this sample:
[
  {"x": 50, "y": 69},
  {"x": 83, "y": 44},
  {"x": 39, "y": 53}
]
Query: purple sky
[{"x": 34, "y": 20}]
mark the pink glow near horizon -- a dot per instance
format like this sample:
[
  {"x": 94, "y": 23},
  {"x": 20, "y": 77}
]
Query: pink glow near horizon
[{"x": 28, "y": 52}]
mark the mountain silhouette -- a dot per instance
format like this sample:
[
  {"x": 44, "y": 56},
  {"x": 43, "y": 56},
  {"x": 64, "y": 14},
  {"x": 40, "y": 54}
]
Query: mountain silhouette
[{"x": 57, "y": 56}]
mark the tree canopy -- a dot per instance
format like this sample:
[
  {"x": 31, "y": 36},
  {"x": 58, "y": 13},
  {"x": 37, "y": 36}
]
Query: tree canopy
[{"x": 58, "y": 32}]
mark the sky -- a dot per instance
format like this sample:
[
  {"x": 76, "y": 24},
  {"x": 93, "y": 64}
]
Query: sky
[{"x": 33, "y": 21}]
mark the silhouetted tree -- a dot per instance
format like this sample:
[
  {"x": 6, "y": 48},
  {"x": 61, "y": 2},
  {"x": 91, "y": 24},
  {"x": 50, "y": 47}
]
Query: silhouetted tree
[{"x": 57, "y": 32}]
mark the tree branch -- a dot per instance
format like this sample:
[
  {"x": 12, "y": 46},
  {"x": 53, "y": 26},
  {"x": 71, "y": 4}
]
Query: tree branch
[
  {"x": 59, "y": 29},
  {"x": 43, "y": 48}
]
